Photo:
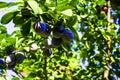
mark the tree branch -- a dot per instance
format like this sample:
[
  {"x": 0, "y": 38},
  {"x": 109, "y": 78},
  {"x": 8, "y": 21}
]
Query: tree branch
[{"x": 106, "y": 72}]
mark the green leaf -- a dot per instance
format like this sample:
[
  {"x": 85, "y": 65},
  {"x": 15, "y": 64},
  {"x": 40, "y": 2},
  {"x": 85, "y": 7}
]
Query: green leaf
[
  {"x": 104, "y": 33},
  {"x": 71, "y": 21},
  {"x": 3, "y": 4},
  {"x": 2, "y": 36},
  {"x": 2, "y": 29},
  {"x": 67, "y": 12},
  {"x": 26, "y": 28},
  {"x": 15, "y": 78},
  {"x": 8, "y": 17},
  {"x": 59, "y": 8},
  {"x": 111, "y": 32},
  {"x": 18, "y": 20},
  {"x": 13, "y": 4},
  {"x": 28, "y": 62},
  {"x": 10, "y": 40},
  {"x": 71, "y": 24},
  {"x": 74, "y": 2},
  {"x": 34, "y": 5}
]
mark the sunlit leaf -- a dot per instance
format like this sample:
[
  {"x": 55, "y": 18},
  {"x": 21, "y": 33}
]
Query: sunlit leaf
[
  {"x": 67, "y": 12},
  {"x": 8, "y": 17},
  {"x": 34, "y": 5},
  {"x": 3, "y": 4}
]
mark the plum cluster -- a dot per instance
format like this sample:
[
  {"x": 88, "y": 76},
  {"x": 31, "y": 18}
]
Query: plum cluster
[
  {"x": 104, "y": 9},
  {"x": 59, "y": 35},
  {"x": 16, "y": 57}
]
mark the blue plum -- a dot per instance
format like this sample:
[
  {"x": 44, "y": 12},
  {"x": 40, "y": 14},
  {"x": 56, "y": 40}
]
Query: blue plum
[
  {"x": 20, "y": 56},
  {"x": 10, "y": 60},
  {"x": 56, "y": 42},
  {"x": 48, "y": 43},
  {"x": 58, "y": 31},
  {"x": 2, "y": 64},
  {"x": 47, "y": 31},
  {"x": 39, "y": 27},
  {"x": 47, "y": 52},
  {"x": 68, "y": 36}
]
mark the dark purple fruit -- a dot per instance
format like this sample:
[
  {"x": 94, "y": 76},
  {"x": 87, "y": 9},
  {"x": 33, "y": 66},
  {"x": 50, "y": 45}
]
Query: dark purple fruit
[
  {"x": 10, "y": 60},
  {"x": 56, "y": 42},
  {"x": 58, "y": 31},
  {"x": 2, "y": 64},
  {"x": 68, "y": 36},
  {"x": 39, "y": 27},
  {"x": 20, "y": 56},
  {"x": 48, "y": 43},
  {"x": 47, "y": 52},
  {"x": 47, "y": 31}
]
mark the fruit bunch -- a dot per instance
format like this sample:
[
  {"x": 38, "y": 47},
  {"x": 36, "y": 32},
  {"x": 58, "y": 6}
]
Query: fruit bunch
[
  {"x": 59, "y": 35},
  {"x": 12, "y": 58},
  {"x": 104, "y": 9},
  {"x": 16, "y": 57}
]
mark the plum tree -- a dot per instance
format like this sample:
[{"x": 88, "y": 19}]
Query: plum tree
[
  {"x": 94, "y": 36},
  {"x": 68, "y": 36},
  {"x": 58, "y": 31},
  {"x": 19, "y": 57}
]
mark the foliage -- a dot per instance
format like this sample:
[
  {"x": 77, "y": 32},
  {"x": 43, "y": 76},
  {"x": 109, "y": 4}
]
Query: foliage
[{"x": 95, "y": 38}]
